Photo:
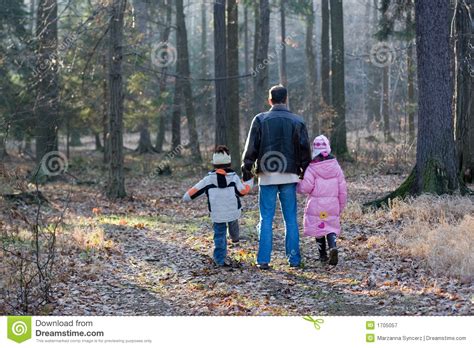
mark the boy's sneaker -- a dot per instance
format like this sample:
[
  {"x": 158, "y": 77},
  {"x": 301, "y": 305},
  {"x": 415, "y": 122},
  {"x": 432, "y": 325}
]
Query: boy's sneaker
[
  {"x": 222, "y": 265},
  {"x": 333, "y": 257},
  {"x": 263, "y": 266}
]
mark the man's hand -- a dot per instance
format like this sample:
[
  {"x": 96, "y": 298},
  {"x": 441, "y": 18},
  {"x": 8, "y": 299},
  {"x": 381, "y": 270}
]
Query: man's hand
[{"x": 246, "y": 174}]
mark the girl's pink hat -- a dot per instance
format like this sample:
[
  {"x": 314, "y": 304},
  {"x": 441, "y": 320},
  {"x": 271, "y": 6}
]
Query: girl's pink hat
[{"x": 321, "y": 146}]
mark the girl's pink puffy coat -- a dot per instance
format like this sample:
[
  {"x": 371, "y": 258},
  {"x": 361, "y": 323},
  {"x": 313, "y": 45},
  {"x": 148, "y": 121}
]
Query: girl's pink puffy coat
[{"x": 325, "y": 184}]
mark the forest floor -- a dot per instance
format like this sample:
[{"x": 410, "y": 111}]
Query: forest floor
[{"x": 151, "y": 254}]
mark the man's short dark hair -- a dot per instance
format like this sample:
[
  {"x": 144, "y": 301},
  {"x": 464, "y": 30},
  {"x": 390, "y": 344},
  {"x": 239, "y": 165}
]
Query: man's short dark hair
[{"x": 278, "y": 94}]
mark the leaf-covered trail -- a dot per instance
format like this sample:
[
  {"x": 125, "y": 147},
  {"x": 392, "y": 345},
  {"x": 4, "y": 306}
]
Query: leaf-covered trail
[{"x": 153, "y": 257}]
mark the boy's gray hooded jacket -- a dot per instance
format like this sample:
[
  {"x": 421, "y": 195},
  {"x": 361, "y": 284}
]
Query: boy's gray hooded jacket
[{"x": 223, "y": 189}]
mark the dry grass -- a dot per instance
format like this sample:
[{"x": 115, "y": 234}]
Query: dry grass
[{"x": 439, "y": 230}]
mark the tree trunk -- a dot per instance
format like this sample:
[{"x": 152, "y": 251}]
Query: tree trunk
[
  {"x": 204, "y": 24},
  {"x": 176, "y": 117},
  {"x": 47, "y": 98},
  {"x": 261, "y": 66},
  {"x": 465, "y": 92},
  {"x": 313, "y": 93},
  {"x": 248, "y": 82},
  {"x": 163, "y": 117},
  {"x": 325, "y": 54},
  {"x": 410, "y": 81},
  {"x": 233, "y": 83},
  {"x": 142, "y": 19},
  {"x": 374, "y": 75},
  {"x": 220, "y": 61},
  {"x": 436, "y": 169},
  {"x": 339, "y": 142},
  {"x": 98, "y": 143},
  {"x": 282, "y": 70},
  {"x": 386, "y": 104},
  {"x": 3, "y": 148},
  {"x": 105, "y": 113},
  {"x": 116, "y": 182},
  {"x": 184, "y": 74},
  {"x": 144, "y": 144}
]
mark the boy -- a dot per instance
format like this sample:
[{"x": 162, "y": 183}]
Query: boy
[{"x": 223, "y": 188}]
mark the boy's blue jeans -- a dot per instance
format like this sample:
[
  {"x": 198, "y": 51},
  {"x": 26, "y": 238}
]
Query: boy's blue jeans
[
  {"x": 220, "y": 239},
  {"x": 267, "y": 199}
]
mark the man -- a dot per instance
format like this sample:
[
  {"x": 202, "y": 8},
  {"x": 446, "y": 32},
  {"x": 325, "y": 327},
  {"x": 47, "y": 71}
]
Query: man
[{"x": 278, "y": 144}]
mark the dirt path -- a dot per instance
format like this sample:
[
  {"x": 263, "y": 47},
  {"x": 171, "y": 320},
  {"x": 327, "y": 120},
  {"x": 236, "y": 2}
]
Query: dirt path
[{"x": 159, "y": 263}]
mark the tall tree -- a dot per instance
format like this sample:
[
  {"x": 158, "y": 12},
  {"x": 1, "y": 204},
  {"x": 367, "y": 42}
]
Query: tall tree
[
  {"x": 220, "y": 63},
  {"x": 411, "y": 75},
  {"x": 339, "y": 137},
  {"x": 142, "y": 8},
  {"x": 325, "y": 54},
  {"x": 465, "y": 92},
  {"x": 436, "y": 169},
  {"x": 386, "y": 27},
  {"x": 282, "y": 70},
  {"x": 116, "y": 180},
  {"x": 374, "y": 75},
  {"x": 386, "y": 103},
  {"x": 261, "y": 65},
  {"x": 163, "y": 117},
  {"x": 247, "y": 64},
  {"x": 233, "y": 82},
  {"x": 184, "y": 74},
  {"x": 313, "y": 90},
  {"x": 47, "y": 96}
]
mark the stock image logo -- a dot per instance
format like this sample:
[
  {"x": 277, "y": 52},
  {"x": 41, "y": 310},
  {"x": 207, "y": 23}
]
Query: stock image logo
[
  {"x": 382, "y": 54},
  {"x": 19, "y": 329},
  {"x": 164, "y": 55},
  {"x": 273, "y": 162},
  {"x": 54, "y": 163}
]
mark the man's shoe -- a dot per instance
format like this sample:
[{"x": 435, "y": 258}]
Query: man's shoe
[
  {"x": 333, "y": 257},
  {"x": 323, "y": 258},
  {"x": 263, "y": 266}
]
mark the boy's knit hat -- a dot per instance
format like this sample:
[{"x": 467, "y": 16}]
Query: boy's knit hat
[
  {"x": 321, "y": 146},
  {"x": 221, "y": 156}
]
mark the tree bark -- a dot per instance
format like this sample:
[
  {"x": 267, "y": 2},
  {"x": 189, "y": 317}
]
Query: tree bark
[
  {"x": 248, "y": 82},
  {"x": 313, "y": 92},
  {"x": 184, "y": 74},
  {"x": 176, "y": 117},
  {"x": 436, "y": 170},
  {"x": 465, "y": 92},
  {"x": 142, "y": 19},
  {"x": 410, "y": 81},
  {"x": 325, "y": 54},
  {"x": 116, "y": 180},
  {"x": 282, "y": 70},
  {"x": 220, "y": 61},
  {"x": 47, "y": 98},
  {"x": 339, "y": 142},
  {"x": 233, "y": 83},
  {"x": 374, "y": 75},
  {"x": 98, "y": 143},
  {"x": 386, "y": 104},
  {"x": 261, "y": 66},
  {"x": 163, "y": 117},
  {"x": 144, "y": 144},
  {"x": 105, "y": 112}
]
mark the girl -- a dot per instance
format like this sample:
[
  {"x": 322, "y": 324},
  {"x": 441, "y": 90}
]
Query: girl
[{"x": 325, "y": 184}]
